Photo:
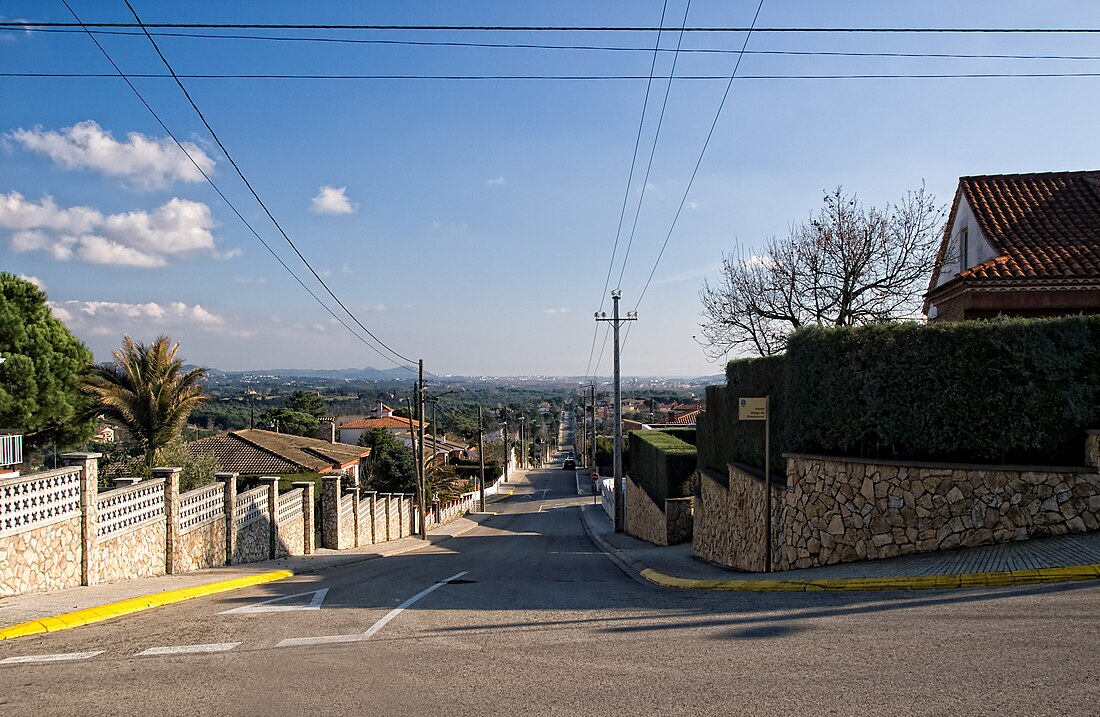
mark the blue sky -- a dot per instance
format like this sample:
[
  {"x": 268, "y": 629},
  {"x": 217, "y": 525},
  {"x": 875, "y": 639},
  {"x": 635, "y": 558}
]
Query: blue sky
[{"x": 472, "y": 222}]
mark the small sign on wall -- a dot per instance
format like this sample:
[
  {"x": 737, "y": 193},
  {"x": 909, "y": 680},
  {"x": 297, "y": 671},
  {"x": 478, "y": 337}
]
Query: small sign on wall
[{"x": 752, "y": 409}]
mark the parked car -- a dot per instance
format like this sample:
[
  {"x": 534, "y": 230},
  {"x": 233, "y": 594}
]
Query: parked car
[{"x": 569, "y": 464}]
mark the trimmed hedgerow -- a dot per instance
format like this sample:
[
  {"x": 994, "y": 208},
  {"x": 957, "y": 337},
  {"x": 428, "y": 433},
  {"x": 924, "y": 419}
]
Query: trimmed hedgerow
[
  {"x": 662, "y": 464},
  {"x": 1006, "y": 391}
]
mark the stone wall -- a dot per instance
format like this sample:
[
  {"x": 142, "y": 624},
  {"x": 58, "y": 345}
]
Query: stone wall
[
  {"x": 679, "y": 519},
  {"x": 837, "y": 510},
  {"x": 292, "y": 538},
  {"x": 381, "y": 522},
  {"x": 729, "y": 526},
  {"x": 253, "y": 542},
  {"x": 643, "y": 518},
  {"x": 201, "y": 547},
  {"x": 367, "y": 510},
  {"x": 407, "y": 515},
  {"x": 136, "y": 553},
  {"x": 43, "y": 558}
]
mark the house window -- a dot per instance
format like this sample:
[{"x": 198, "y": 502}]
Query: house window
[{"x": 964, "y": 248}]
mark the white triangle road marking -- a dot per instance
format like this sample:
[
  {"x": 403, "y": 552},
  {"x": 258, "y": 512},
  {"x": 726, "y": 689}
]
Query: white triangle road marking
[{"x": 270, "y": 606}]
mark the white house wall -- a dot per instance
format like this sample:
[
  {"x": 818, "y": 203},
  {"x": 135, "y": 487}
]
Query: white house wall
[{"x": 978, "y": 247}]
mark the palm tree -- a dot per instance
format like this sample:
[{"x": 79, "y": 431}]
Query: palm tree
[{"x": 147, "y": 390}]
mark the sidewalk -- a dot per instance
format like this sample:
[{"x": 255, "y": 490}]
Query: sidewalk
[
  {"x": 29, "y": 607},
  {"x": 1056, "y": 559}
]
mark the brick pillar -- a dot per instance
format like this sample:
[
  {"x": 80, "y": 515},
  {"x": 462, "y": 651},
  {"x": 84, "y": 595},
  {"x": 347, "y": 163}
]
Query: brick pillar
[
  {"x": 229, "y": 481},
  {"x": 330, "y": 511},
  {"x": 171, "y": 478},
  {"x": 308, "y": 530},
  {"x": 272, "y": 512},
  {"x": 89, "y": 489}
]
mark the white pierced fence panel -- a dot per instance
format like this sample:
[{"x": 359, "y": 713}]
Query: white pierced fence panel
[
  {"x": 364, "y": 508},
  {"x": 290, "y": 506},
  {"x": 38, "y": 499},
  {"x": 201, "y": 506},
  {"x": 122, "y": 510},
  {"x": 251, "y": 507},
  {"x": 347, "y": 505}
]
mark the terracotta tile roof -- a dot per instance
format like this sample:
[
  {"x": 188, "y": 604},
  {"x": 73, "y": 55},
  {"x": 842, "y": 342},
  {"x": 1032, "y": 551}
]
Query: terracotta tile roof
[
  {"x": 687, "y": 419},
  {"x": 390, "y": 422},
  {"x": 253, "y": 452},
  {"x": 1042, "y": 226}
]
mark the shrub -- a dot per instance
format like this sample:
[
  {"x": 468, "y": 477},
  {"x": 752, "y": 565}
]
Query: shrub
[{"x": 663, "y": 464}]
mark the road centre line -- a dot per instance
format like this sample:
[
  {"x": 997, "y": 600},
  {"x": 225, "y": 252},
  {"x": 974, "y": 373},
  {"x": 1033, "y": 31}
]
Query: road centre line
[
  {"x": 61, "y": 657},
  {"x": 188, "y": 649},
  {"x": 408, "y": 603},
  {"x": 376, "y": 627}
]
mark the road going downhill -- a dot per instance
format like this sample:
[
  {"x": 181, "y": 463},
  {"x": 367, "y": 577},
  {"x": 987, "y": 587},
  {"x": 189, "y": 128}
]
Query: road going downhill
[{"x": 523, "y": 615}]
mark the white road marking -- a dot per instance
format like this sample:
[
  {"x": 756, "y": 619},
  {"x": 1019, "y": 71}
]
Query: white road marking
[
  {"x": 62, "y": 657},
  {"x": 326, "y": 640},
  {"x": 400, "y": 608},
  {"x": 188, "y": 649},
  {"x": 270, "y": 606},
  {"x": 575, "y": 552}
]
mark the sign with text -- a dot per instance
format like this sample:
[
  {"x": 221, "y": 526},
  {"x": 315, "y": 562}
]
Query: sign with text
[{"x": 752, "y": 409}]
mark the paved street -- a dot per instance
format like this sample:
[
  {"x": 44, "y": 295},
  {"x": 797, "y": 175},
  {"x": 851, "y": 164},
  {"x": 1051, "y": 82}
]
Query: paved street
[{"x": 536, "y": 621}]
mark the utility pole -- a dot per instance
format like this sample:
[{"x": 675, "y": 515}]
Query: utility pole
[
  {"x": 522, "y": 434},
  {"x": 616, "y": 323},
  {"x": 481, "y": 458},
  {"x": 423, "y": 487},
  {"x": 592, "y": 443}
]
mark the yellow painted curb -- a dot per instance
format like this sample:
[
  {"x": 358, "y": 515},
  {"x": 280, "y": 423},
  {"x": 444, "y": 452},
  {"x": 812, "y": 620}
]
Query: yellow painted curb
[
  {"x": 498, "y": 497},
  {"x": 915, "y": 582},
  {"x": 145, "y": 602}
]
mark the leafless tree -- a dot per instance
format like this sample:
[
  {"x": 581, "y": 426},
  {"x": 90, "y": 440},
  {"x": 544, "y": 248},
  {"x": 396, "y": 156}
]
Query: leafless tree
[{"x": 846, "y": 266}]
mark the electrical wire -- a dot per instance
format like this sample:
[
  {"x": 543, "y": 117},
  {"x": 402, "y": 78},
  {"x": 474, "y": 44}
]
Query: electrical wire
[
  {"x": 626, "y": 192},
  {"x": 256, "y": 196},
  {"x": 695, "y": 171},
  {"x": 653, "y": 147},
  {"x": 224, "y": 198},
  {"x": 544, "y": 46},
  {"x": 22, "y": 25},
  {"x": 565, "y": 78}
]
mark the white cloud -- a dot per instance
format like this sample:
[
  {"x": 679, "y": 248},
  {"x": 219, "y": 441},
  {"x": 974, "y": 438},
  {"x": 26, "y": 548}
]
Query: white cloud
[
  {"x": 696, "y": 273},
  {"x": 250, "y": 279},
  {"x": 555, "y": 311},
  {"x": 138, "y": 238},
  {"x": 34, "y": 280},
  {"x": 696, "y": 205},
  {"x": 498, "y": 182},
  {"x": 101, "y": 317},
  {"x": 143, "y": 161},
  {"x": 332, "y": 200}
]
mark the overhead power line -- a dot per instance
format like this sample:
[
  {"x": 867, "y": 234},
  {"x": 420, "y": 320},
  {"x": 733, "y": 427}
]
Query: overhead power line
[
  {"x": 564, "y": 47},
  {"x": 554, "y": 28},
  {"x": 573, "y": 78},
  {"x": 256, "y": 195}
]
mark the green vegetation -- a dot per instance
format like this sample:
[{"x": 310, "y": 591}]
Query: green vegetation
[
  {"x": 42, "y": 364},
  {"x": 391, "y": 467},
  {"x": 1005, "y": 391},
  {"x": 147, "y": 390},
  {"x": 662, "y": 464}
]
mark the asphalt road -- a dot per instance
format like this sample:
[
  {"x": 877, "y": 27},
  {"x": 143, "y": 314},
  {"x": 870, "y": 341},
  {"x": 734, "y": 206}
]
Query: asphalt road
[{"x": 536, "y": 621}]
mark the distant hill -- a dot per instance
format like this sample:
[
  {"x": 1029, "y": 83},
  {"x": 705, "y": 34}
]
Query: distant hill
[{"x": 355, "y": 374}]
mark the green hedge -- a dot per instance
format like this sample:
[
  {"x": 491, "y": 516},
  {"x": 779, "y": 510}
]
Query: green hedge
[
  {"x": 1006, "y": 391},
  {"x": 662, "y": 464}
]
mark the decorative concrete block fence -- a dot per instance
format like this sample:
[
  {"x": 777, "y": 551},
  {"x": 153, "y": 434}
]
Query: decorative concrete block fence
[
  {"x": 57, "y": 530},
  {"x": 836, "y": 509}
]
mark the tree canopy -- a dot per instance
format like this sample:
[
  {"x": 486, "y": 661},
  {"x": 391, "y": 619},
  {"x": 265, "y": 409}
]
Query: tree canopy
[
  {"x": 306, "y": 402},
  {"x": 42, "y": 364},
  {"x": 848, "y": 265},
  {"x": 392, "y": 466},
  {"x": 288, "y": 420},
  {"x": 147, "y": 390}
]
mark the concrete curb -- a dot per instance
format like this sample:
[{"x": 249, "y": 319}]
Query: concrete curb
[
  {"x": 90, "y": 615},
  {"x": 640, "y": 572}
]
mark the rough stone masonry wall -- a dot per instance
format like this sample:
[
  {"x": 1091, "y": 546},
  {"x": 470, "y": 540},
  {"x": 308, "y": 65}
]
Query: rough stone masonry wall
[
  {"x": 839, "y": 510},
  {"x": 292, "y": 538},
  {"x": 137, "y": 553},
  {"x": 44, "y": 558},
  {"x": 679, "y": 519},
  {"x": 643, "y": 518},
  {"x": 729, "y": 522},
  {"x": 201, "y": 547},
  {"x": 253, "y": 542}
]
